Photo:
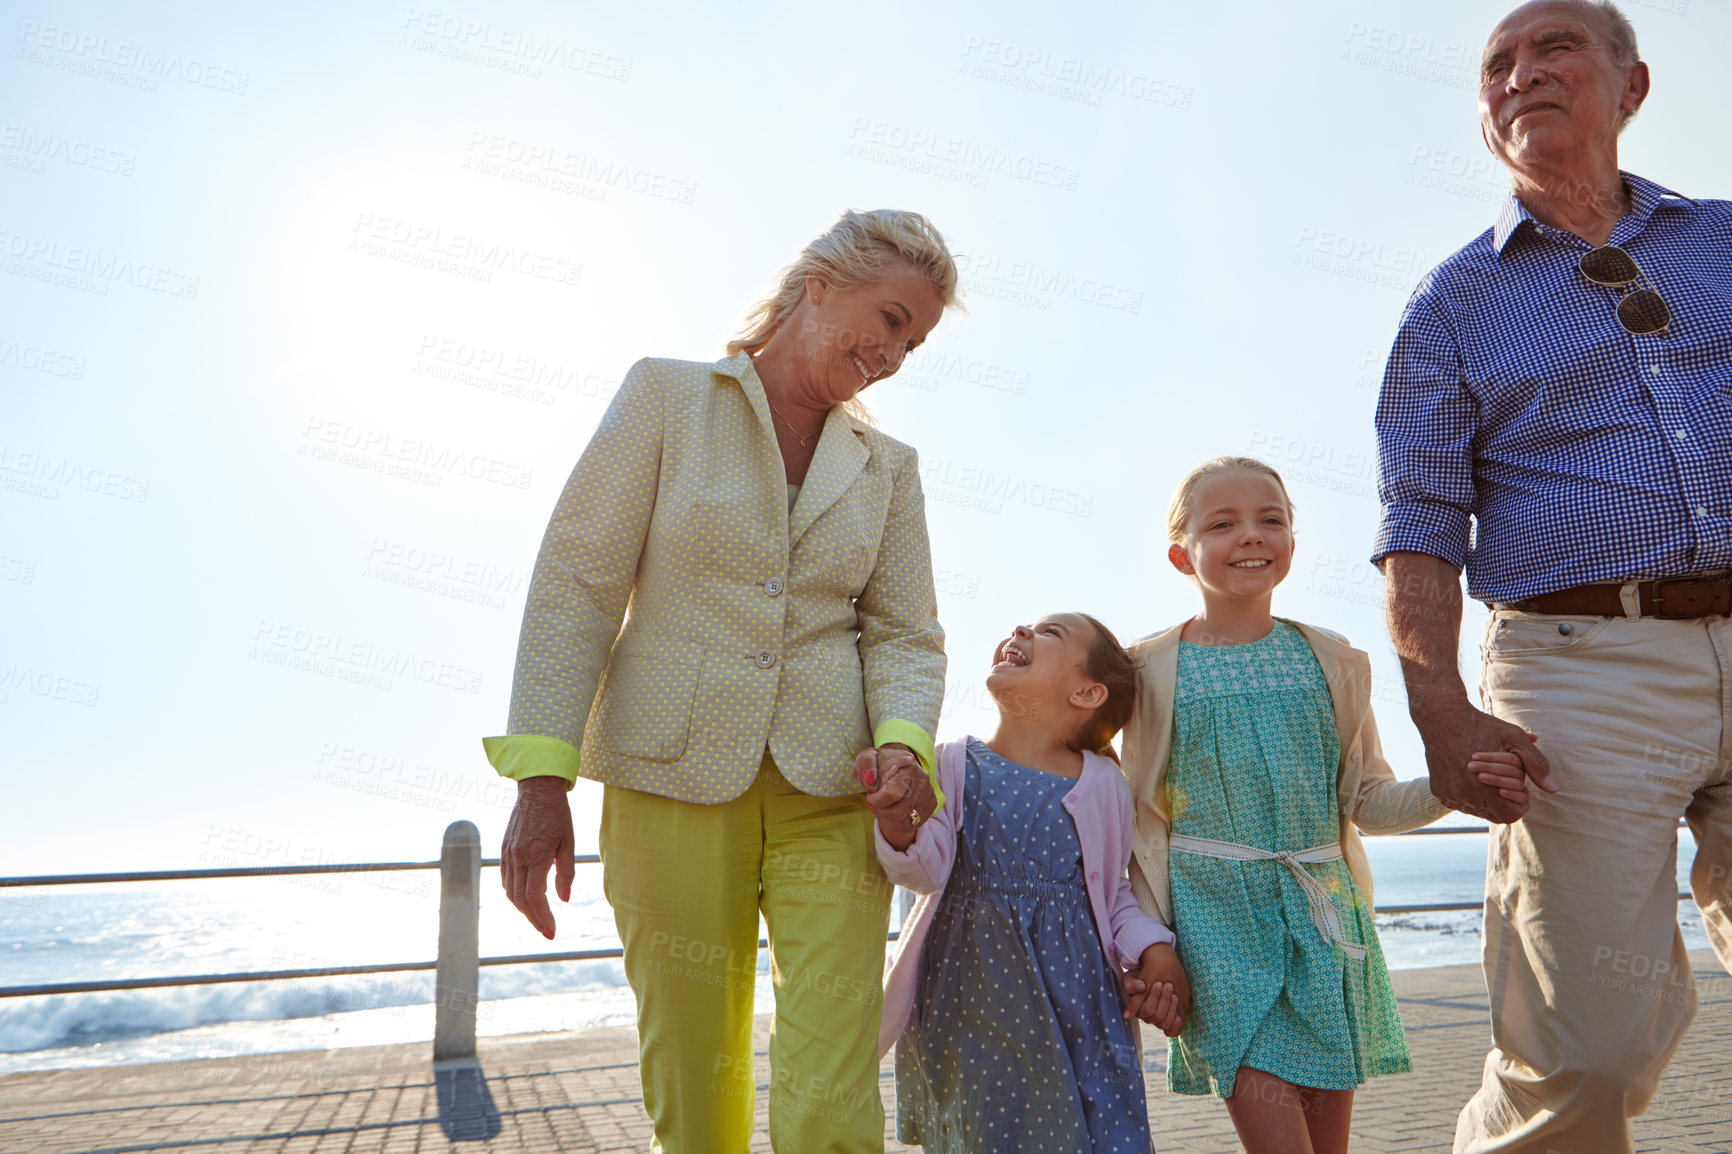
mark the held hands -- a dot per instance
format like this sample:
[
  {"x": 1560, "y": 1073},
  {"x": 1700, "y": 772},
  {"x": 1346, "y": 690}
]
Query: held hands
[
  {"x": 1473, "y": 756},
  {"x": 1157, "y": 991},
  {"x": 898, "y": 792},
  {"x": 1503, "y": 772}
]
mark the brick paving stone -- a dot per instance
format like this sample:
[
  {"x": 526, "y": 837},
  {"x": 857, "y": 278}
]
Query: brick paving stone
[{"x": 578, "y": 1092}]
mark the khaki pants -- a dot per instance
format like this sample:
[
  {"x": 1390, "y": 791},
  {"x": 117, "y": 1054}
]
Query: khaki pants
[
  {"x": 687, "y": 882},
  {"x": 1590, "y": 987}
]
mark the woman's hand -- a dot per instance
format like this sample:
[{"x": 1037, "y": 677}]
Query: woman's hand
[
  {"x": 898, "y": 792},
  {"x": 537, "y": 836},
  {"x": 1157, "y": 991}
]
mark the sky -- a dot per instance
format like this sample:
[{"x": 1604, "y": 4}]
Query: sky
[{"x": 307, "y": 312}]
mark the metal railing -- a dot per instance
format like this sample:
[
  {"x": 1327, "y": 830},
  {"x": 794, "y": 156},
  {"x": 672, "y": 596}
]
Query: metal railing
[{"x": 457, "y": 967}]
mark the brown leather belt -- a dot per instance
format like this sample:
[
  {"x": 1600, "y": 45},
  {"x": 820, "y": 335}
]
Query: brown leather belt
[{"x": 1672, "y": 598}]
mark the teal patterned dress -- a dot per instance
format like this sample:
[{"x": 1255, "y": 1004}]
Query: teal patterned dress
[{"x": 1254, "y": 759}]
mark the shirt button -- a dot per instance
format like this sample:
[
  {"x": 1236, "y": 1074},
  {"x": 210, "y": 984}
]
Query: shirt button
[
  {"x": 1654, "y": 370},
  {"x": 773, "y": 586},
  {"x": 1700, "y": 511},
  {"x": 1094, "y": 877},
  {"x": 1683, "y": 434},
  {"x": 765, "y": 659}
]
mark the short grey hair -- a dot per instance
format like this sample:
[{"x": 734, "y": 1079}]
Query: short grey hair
[{"x": 1622, "y": 32}]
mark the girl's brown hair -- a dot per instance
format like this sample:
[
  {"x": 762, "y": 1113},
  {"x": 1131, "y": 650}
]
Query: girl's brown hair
[{"x": 1112, "y": 665}]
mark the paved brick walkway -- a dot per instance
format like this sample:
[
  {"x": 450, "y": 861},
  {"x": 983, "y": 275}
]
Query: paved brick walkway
[{"x": 579, "y": 1092}]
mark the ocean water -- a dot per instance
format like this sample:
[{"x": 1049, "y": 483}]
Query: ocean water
[{"x": 92, "y": 933}]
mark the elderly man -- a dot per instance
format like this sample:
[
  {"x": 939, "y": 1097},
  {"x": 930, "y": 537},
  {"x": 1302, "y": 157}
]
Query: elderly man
[{"x": 1566, "y": 381}]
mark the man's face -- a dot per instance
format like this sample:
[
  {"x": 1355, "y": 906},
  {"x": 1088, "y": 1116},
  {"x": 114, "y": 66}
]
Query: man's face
[{"x": 1551, "y": 90}]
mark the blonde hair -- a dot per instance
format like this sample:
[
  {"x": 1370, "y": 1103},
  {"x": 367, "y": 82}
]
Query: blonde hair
[
  {"x": 858, "y": 248},
  {"x": 1184, "y": 498}
]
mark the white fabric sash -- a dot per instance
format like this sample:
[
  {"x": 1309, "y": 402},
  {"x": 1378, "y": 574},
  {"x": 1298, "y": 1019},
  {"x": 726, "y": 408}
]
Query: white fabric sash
[{"x": 1324, "y": 915}]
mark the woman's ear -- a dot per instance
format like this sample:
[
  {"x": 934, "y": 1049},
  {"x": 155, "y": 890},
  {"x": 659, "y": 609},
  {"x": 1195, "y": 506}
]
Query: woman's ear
[
  {"x": 815, "y": 288},
  {"x": 1181, "y": 560}
]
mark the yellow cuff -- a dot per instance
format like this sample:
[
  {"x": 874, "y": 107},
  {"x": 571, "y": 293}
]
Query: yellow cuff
[
  {"x": 527, "y": 755},
  {"x": 893, "y": 729}
]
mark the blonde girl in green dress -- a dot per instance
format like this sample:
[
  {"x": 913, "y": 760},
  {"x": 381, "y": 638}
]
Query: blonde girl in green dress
[{"x": 1253, "y": 755}]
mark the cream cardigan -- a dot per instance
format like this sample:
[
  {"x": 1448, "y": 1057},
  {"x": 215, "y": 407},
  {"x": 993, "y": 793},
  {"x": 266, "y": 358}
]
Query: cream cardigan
[{"x": 1370, "y": 797}]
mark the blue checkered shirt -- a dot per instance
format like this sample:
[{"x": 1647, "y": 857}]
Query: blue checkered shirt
[{"x": 1514, "y": 399}]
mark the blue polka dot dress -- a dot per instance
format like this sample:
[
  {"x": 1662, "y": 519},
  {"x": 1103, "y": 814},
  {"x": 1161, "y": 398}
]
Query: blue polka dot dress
[
  {"x": 1255, "y": 752},
  {"x": 1016, "y": 1043}
]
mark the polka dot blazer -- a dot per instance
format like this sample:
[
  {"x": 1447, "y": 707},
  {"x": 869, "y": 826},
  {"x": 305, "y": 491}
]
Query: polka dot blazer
[{"x": 811, "y": 632}]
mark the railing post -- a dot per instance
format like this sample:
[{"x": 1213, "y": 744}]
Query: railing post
[{"x": 459, "y": 970}]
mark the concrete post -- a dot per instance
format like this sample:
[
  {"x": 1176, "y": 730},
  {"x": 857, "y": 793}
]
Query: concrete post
[{"x": 459, "y": 969}]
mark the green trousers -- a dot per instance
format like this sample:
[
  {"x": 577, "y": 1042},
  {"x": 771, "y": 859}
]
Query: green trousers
[{"x": 687, "y": 883}]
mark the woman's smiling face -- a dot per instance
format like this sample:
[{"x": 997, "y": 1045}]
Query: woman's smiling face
[
  {"x": 1239, "y": 540},
  {"x": 851, "y": 337}
]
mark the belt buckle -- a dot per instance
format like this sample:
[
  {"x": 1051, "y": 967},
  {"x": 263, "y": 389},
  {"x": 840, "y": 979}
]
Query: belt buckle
[{"x": 1698, "y": 597}]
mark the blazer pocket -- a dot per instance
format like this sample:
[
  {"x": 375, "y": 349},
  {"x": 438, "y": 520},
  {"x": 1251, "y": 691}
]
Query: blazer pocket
[{"x": 649, "y": 706}]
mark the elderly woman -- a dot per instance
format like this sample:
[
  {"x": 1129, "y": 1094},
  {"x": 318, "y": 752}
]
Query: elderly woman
[{"x": 772, "y": 547}]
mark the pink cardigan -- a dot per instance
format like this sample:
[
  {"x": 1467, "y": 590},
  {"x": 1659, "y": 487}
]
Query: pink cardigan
[{"x": 1101, "y": 806}]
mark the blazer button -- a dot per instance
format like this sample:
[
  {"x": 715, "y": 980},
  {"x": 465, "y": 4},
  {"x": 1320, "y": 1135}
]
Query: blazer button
[
  {"x": 773, "y": 586},
  {"x": 765, "y": 659}
]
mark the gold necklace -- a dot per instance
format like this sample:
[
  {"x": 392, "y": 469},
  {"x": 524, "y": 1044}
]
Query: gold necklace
[{"x": 790, "y": 424}]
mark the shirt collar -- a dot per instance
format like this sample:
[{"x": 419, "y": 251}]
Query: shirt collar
[{"x": 1645, "y": 197}]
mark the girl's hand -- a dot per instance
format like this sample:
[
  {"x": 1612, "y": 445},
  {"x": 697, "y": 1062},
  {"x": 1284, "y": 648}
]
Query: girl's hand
[
  {"x": 1157, "y": 991},
  {"x": 898, "y": 792},
  {"x": 1502, "y": 771}
]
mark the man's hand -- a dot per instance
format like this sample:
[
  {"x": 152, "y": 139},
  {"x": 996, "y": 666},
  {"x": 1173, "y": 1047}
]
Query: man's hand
[
  {"x": 1424, "y": 608},
  {"x": 1157, "y": 991},
  {"x": 898, "y": 792},
  {"x": 537, "y": 836},
  {"x": 1472, "y": 755}
]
